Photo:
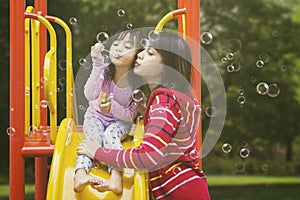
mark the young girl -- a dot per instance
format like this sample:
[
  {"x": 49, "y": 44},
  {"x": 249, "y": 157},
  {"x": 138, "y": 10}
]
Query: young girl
[
  {"x": 168, "y": 151},
  {"x": 111, "y": 120}
]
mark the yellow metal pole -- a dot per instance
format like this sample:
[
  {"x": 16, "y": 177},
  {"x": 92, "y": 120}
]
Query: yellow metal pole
[
  {"x": 69, "y": 67},
  {"x": 35, "y": 72},
  {"x": 27, "y": 72}
]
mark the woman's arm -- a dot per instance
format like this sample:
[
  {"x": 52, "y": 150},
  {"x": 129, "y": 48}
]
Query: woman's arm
[{"x": 163, "y": 121}]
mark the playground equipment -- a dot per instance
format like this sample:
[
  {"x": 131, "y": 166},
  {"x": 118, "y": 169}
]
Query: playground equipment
[{"x": 33, "y": 73}]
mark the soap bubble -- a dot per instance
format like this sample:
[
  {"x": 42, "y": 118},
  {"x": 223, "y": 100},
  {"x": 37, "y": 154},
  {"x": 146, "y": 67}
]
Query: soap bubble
[
  {"x": 244, "y": 152},
  {"x": 73, "y": 21},
  {"x": 264, "y": 56},
  {"x": 260, "y": 64},
  {"x": 241, "y": 99},
  {"x": 274, "y": 90},
  {"x": 206, "y": 38},
  {"x": 129, "y": 26},
  {"x": 82, "y": 61},
  {"x": 11, "y": 131},
  {"x": 241, "y": 91},
  {"x": 121, "y": 13},
  {"x": 262, "y": 88},
  {"x": 43, "y": 104},
  {"x": 230, "y": 68},
  {"x": 230, "y": 56},
  {"x": 210, "y": 111},
  {"x": 226, "y": 148},
  {"x": 102, "y": 37},
  {"x": 240, "y": 167}
]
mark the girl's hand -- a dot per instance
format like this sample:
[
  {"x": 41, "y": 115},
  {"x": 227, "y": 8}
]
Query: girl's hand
[
  {"x": 88, "y": 147},
  {"x": 96, "y": 50},
  {"x": 106, "y": 107}
]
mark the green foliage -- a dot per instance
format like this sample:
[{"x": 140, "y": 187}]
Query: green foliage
[
  {"x": 265, "y": 30},
  {"x": 261, "y": 29}
]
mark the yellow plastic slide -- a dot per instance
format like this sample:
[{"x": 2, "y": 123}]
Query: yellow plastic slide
[{"x": 60, "y": 185}]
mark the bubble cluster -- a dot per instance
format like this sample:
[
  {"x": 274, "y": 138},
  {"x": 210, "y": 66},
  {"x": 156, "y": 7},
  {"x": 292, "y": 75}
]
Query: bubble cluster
[{"x": 272, "y": 90}]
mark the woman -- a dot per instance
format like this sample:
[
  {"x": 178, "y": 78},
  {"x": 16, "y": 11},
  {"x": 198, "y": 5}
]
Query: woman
[{"x": 168, "y": 151}]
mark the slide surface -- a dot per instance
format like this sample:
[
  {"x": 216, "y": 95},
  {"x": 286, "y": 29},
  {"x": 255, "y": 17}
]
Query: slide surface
[{"x": 60, "y": 185}]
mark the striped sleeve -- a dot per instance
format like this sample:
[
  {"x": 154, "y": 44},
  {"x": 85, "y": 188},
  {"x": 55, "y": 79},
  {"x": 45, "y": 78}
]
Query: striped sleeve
[{"x": 163, "y": 120}]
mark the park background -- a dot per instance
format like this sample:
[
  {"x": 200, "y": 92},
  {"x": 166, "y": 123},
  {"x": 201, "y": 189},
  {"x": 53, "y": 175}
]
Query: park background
[{"x": 252, "y": 42}]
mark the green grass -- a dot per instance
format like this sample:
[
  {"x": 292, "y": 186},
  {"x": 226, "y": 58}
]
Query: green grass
[
  {"x": 251, "y": 180},
  {"x": 4, "y": 191},
  {"x": 228, "y": 188}
]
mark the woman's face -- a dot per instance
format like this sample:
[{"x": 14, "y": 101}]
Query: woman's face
[
  {"x": 123, "y": 51},
  {"x": 148, "y": 64}
]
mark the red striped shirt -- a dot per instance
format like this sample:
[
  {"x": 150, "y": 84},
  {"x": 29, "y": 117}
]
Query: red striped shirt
[{"x": 168, "y": 151}]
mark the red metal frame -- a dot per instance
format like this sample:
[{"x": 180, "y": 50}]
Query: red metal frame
[
  {"x": 193, "y": 32},
  {"x": 17, "y": 101},
  {"x": 17, "y": 86}
]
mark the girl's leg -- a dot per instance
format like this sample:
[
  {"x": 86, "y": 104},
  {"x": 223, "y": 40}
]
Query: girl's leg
[
  {"x": 92, "y": 128},
  {"x": 112, "y": 140}
]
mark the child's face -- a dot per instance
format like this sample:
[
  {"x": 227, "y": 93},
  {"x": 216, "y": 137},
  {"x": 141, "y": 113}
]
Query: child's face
[
  {"x": 123, "y": 52},
  {"x": 148, "y": 63}
]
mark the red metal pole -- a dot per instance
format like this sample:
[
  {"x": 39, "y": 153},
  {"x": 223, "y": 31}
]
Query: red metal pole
[
  {"x": 41, "y": 164},
  {"x": 41, "y": 7},
  {"x": 17, "y": 100},
  {"x": 193, "y": 32}
]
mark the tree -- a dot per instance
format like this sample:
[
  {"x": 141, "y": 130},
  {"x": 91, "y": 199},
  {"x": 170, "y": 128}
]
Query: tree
[{"x": 260, "y": 37}]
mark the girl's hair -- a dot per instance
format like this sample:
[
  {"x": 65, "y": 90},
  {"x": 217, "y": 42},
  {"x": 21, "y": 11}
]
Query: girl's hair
[
  {"x": 176, "y": 56},
  {"x": 135, "y": 37}
]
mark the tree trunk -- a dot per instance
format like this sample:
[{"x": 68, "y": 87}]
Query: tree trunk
[{"x": 289, "y": 150}]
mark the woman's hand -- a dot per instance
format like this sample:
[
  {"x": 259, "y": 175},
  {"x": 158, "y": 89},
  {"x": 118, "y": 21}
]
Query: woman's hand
[{"x": 88, "y": 147}]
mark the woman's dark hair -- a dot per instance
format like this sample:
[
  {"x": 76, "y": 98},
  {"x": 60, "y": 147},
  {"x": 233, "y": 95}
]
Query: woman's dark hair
[
  {"x": 176, "y": 56},
  {"x": 135, "y": 37}
]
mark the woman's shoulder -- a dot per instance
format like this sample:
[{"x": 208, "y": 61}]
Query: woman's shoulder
[{"x": 162, "y": 95}]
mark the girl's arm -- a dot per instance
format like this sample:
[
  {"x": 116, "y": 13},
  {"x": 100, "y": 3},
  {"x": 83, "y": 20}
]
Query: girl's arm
[
  {"x": 124, "y": 113},
  {"x": 94, "y": 83}
]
